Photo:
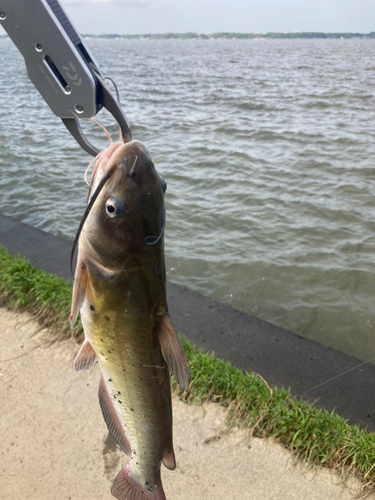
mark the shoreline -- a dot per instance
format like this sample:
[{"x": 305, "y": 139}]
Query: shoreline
[
  {"x": 248, "y": 343},
  {"x": 318, "y": 437}
]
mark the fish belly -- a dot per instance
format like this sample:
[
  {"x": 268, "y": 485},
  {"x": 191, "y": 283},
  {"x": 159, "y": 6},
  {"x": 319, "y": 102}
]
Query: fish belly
[{"x": 137, "y": 380}]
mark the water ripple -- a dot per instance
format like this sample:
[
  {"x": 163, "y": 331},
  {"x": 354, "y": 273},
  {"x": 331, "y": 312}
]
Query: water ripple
[{"x": 270, "y": 170}]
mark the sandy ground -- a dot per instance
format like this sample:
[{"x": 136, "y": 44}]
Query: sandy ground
[{"x": 55, "y": 446}]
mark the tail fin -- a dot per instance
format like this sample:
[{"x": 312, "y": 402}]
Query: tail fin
[{"x": 126, "y": 488}]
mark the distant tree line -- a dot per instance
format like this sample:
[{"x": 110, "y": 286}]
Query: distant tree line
[
  {"x": 230, "y": 36},
  {"x": 302, "y": 34}
]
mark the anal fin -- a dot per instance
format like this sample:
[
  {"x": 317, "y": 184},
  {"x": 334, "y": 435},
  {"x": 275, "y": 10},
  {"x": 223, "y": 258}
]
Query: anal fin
[
  {"x": 111, "y": 418},
  {"x": 85, "y": 358},
  {"x": 173, "y": 352}
]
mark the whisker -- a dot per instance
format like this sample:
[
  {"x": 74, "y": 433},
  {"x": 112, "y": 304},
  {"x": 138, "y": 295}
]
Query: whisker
[
  {"x": 103, "y": 128},
  {"x": 160, "y": 158},
  {"x": 133, "y": 167},
  {"x": 87, "y": 211},
  {"x": 97, "y": 157}
]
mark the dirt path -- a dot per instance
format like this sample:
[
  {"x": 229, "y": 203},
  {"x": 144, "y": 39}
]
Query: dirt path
[{"x": 55, "y": 446}]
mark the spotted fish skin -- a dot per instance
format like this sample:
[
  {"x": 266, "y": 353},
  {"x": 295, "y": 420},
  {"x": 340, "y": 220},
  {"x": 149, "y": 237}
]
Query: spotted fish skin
[{"x": 120, "y": 290}]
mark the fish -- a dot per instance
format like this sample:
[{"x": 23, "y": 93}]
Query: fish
[{"x": 120, "y": 291}]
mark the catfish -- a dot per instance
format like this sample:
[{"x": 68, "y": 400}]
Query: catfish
[{"x": 120, "y": 292}]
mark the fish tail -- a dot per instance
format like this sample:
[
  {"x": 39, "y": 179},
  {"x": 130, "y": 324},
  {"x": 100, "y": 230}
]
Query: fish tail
[{"x": 126, "y": 488}]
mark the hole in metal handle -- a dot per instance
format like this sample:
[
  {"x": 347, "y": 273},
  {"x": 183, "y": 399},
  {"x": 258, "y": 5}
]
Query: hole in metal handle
[
  {"x": 79, "y": 108},
  {"x": 56, "y": 73}
]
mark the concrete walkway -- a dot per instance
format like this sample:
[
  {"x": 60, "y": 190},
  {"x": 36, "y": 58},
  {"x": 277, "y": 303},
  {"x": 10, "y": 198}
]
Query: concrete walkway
[{"x": 55, "y": 446}]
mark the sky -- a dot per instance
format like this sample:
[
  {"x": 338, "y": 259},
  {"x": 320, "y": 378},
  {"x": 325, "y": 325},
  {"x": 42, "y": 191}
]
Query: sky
[{"x": 210, "y": 16}]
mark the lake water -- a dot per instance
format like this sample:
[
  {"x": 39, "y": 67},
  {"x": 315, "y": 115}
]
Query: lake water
[{"x": 270, "y": 170}]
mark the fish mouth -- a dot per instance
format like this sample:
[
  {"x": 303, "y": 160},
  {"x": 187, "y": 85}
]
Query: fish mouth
[
  {"x": 131, "y": 156},
  {"x": 117, "y": 153}
]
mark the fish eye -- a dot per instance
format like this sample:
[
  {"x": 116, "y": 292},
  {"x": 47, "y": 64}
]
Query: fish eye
[
  {"x": 115, "y": 208},
  {"x": 163, "y": 184}
]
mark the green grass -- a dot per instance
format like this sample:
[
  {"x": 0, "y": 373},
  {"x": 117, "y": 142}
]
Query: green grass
[
  {"x": 316, "y": 436},
  {"x": 48, "y": 297}
]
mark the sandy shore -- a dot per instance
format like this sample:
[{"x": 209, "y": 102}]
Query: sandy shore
[{"x": 55, "y": 446}]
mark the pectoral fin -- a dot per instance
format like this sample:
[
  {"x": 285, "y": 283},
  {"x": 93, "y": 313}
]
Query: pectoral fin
[
  {"x": 79, "y": 291},
  {"x": 85, "y": 358},
  {"x": 111, "y": 418},
  {"x": 173, "y": 353}
]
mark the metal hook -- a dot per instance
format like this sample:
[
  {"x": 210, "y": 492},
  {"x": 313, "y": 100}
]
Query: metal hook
[{"x": 108, "y": 101}]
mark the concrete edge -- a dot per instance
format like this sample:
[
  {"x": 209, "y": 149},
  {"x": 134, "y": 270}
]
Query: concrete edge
[{"x": 279, "y": 356}]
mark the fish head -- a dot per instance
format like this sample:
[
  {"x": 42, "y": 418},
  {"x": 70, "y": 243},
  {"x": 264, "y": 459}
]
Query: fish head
[{"x": 127, "y": 215}]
